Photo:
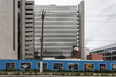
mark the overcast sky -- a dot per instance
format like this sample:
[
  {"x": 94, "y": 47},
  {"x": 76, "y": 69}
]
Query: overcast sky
[{"x": 100, "y": 20}]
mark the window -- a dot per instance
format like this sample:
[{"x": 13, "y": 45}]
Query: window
[
  {"x": 44, "y": 66},
  {"x": 29, "y": 9},
  {"x": 113, "y": 48},
  {"x": 57, "y": 66},
  {"x": 10, "y": 65},
  {"x": 28, "y": 3},
  {"x": 28, "y": 13}
]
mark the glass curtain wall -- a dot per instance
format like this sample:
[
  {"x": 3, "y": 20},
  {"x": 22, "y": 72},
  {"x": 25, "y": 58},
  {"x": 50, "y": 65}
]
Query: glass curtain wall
[{"x": 60, "y": 31}]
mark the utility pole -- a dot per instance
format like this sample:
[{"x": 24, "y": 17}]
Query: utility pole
[{"x": 41, "y": 58}]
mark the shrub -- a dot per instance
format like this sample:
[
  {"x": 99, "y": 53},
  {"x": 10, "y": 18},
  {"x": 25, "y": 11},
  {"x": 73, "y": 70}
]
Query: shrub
[
  {"x": 69, "y": 70},
  {"x": 63, "y": 70},
  {"x": 13, "y": 69},
  {"x": 4, "y": 70},
  {"x": 59, "y": 70},
  {"x": 18, "y": 69},
  {"x": 36, "y": 70},
  {"x": 27, "y": 70}
]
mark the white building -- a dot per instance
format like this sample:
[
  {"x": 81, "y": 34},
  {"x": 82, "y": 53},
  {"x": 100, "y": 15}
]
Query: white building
[{"x": 109, "y": 52}]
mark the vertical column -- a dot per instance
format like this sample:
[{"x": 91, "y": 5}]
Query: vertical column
[
  {"x": 81, "y": 28},
  {"x": 22, "y": 29}
]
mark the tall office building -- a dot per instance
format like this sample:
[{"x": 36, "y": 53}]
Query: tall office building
[
  {"x": 25, "y": 29},
  {"x": 62, "y": 25},
  {"x": 80, "y": 31},
  {"x": 8, "y": 29}
]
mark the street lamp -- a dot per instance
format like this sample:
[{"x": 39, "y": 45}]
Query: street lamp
[{"x": 41, "y": 63}]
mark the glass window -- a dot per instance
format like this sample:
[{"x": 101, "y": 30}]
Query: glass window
[
  {"x": 10, "y": 65},
  {"x": 44, "y": 66},
  {"x": 57, "y": 66},
  {"x": 113, "y": 48}
]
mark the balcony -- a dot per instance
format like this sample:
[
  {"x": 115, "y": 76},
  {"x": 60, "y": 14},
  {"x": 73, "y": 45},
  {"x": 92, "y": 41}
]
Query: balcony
[
  {"x": 28, "y": 25},
  {"x": 26, "y": 56},
  {"x": 28, "y": 52},
  {"x": 28, "y": 16},
  {"x": 28, "y": 11},
  {"x": 31, "y": 43},
  {"x": 29, "y": 6},
  {"x": 28, "y": 38},
  {"x": 29, "y": 29},
  {"x": 31, "y": 20},
  {"x": 29, "y": 47},
  {"x": 30, "y": 33}
]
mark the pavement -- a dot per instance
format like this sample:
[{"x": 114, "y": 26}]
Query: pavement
[{"x": 47, "y": 76}]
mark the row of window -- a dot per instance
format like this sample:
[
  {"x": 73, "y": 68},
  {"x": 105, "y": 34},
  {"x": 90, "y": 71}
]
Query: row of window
[
  {"x": 59, "y": 66},
  {"x": 108, "y": 49},
  {"x": 11, "y": 65},
  {"x": 56, "y": 27},
  {"x": 56, "y": 31}
]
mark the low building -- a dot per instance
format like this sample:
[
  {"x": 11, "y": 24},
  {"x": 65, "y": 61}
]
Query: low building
[
  {"x": 95, "y": 57},
  {"x": 75, "y": 54},
  {"x": 108, "y": 52},
  {"x": 85, "y": 52}
]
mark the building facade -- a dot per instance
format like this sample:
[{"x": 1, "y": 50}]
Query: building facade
[
  {"x": 108, "y": 52},
  {"x": 60, "y": 30},
  {"x": 62, "y": 25},
  {"x": 25, "y": 29},
  {"x": 80, "y": 29},
  {"x": 8, "y": 29},
  {"x": 95, "y": 57},
  {"x": 86, "y": 49}
]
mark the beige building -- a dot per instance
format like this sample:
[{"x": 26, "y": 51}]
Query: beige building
[
  {"x": 8, "y": 29},
  {"x": 25, "y": 29},
  {"x": 85, "y": 52}
]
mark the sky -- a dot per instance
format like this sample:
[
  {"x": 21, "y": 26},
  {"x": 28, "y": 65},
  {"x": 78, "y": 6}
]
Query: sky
[{"x": 100, "y": 20}]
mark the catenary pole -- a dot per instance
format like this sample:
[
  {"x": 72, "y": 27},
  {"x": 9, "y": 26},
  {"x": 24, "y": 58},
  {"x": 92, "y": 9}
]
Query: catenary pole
[{"x": 41, "y": 58}]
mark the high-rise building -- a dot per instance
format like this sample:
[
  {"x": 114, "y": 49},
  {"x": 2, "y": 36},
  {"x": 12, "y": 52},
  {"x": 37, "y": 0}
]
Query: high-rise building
[
  {"x": 8, "y": 29},
  {"x": 63, "y": 29},
  {"x": 80, "y": 31},
  {"x": 25, "y": 29}
]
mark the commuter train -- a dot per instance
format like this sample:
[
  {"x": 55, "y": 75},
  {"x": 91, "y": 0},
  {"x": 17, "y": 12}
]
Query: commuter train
[{"x": 74, "y": 65}]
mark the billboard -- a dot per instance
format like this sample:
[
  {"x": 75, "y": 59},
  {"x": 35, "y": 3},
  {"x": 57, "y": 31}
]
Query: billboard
[
  {"x": 25, "y": 65},
  {"x": 88, "y": 66},
  {"x": 73, "y": 66},
  {"x": 102, "y": 67},
  {"x": 113, "y": 66}
]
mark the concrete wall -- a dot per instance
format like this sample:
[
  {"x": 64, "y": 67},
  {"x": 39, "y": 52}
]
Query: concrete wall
[
  {"x": 8, "y": 29},
  {"x": 26, "y": 30},
  {"x": 81, "y": 28}
]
